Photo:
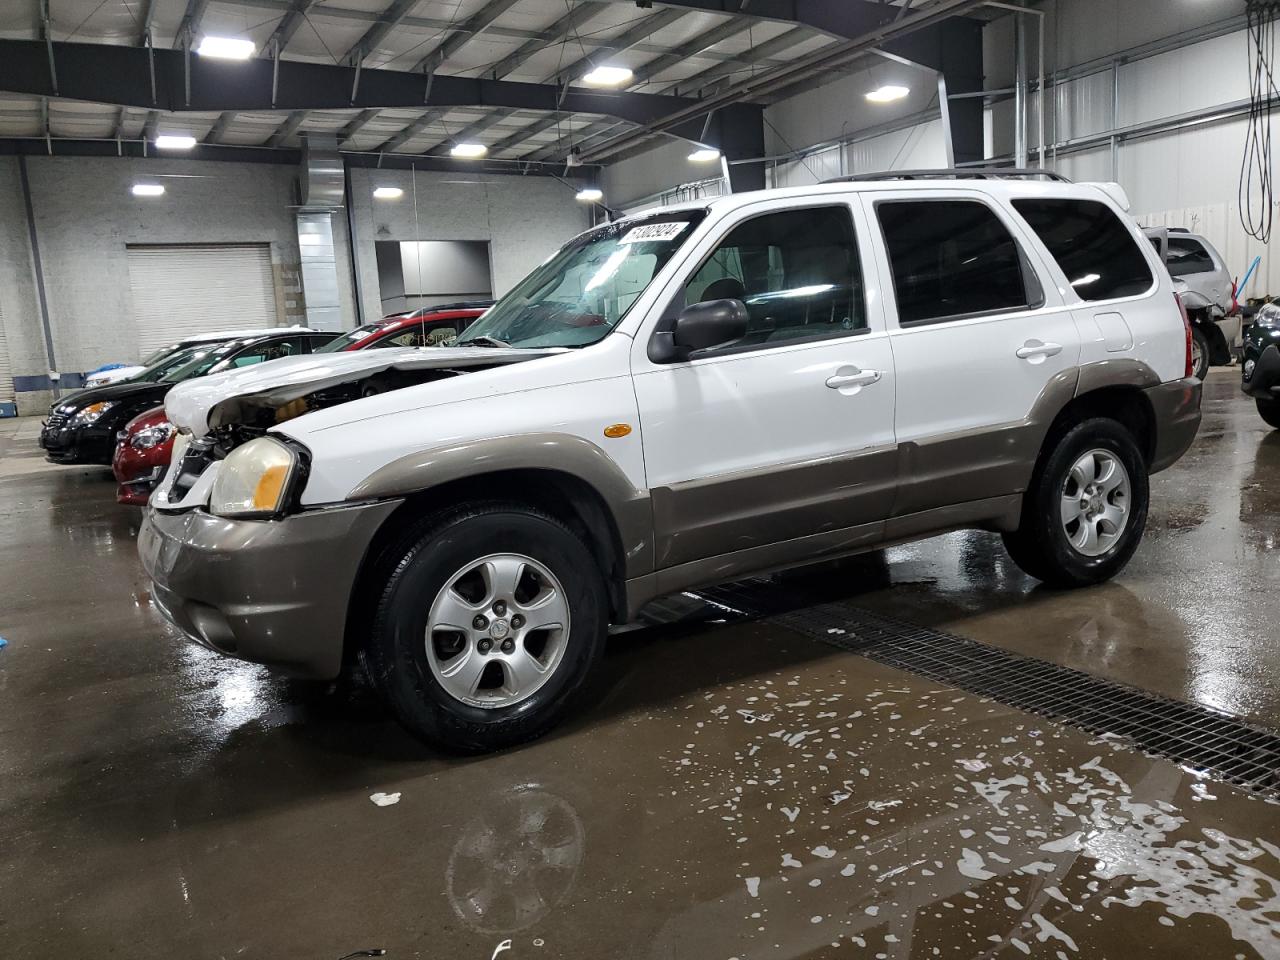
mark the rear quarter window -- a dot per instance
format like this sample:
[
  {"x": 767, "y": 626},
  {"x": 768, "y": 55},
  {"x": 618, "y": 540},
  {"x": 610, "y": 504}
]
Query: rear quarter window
[{"x": 1092, "y": 246}]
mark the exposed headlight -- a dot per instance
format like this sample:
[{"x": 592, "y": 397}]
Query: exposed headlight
[
  {"x": 91, "y": 413},
  {"x": 152, "y": 436},
  {"x": 253, "y": 480},
  {"x": 1268, "y": 315}
]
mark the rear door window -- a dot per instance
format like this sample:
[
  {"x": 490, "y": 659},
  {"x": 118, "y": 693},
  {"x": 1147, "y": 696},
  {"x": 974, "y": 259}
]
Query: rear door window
[
  {"x": 1097, "y": 253},
  {"x": 1187, "y": 256},
  {"x": 953, "y": 259}
]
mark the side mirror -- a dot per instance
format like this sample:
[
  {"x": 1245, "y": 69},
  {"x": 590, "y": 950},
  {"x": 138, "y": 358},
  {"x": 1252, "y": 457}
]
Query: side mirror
[{"x": 701, "y": 326}]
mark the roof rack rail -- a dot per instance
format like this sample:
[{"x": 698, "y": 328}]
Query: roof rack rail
[{"x": 953, "y": 173}]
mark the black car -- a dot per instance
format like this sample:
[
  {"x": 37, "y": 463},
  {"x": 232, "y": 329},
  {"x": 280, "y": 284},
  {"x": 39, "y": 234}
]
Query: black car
[
  {"x": 1260, "y": 367},
  {"x": 82, "y": 427}
]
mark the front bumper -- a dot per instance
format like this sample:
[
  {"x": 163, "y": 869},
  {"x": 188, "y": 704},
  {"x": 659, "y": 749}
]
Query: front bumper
[
  {"x": 90, "y": 444},
  {"x": 1260, "y": 374},
  {"x": 138, "y": 471},
  {"x": 271, "y": 591},
  {"x": 1177, "y": 411}
]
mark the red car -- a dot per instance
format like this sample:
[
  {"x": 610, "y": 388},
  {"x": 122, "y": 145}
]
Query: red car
[
  {"x": 142, "y": 453},
  {"x": 427, "y": 327},
  {"x": 144, "y": 446}
]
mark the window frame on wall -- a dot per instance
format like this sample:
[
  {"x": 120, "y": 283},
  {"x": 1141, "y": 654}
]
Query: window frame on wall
[
  {"x": 1033, "y": 289},
  {"x": 858, "y": 302},
  {"x": 1138, "y": 245}
]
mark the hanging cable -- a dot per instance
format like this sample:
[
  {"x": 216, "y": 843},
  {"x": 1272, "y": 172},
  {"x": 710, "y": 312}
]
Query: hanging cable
[{"x": 1256, "y": 196}]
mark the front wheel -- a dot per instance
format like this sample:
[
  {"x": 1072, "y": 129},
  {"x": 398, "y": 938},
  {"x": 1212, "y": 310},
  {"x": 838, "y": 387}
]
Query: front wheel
[
  {"x": 1085, "y": 511},
  {"x": 489, "y": 620},
  {"x": 1269, "y": 410}
]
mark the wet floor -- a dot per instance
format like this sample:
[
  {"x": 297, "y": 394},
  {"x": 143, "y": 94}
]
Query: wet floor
[{"x": 728, "y": 790}]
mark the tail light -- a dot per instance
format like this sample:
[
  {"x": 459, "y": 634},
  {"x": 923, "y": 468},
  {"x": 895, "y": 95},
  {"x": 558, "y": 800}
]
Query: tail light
[{"x": 1186, "y": 325}]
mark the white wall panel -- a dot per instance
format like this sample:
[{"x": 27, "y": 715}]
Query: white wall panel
[
  {"x": 1084, "y": 106},
  {"x": 1204, "y": 75}
]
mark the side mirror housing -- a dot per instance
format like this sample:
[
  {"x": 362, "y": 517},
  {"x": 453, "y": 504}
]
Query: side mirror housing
[{"x": 700, "y": 326}]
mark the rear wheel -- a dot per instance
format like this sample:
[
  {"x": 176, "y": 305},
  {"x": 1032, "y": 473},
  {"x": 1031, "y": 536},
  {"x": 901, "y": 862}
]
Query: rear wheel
[
  {"x": 1085, "y": 511},
  {"x": 489, "y": 620},
  {"x": 1269, "y": 410},
  {"x": 1199, "y": 353}
]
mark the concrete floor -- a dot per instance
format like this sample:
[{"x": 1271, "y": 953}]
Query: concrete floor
[{"x": 728, "y": 790}]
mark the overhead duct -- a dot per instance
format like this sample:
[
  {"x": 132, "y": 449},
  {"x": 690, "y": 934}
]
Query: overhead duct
[
  {"x": 323, "y": 189},
  {"x": 323, "y": 179}
]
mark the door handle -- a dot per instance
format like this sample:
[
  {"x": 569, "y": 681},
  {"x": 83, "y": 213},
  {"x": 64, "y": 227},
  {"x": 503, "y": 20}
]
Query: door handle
[
  {"x": 859, "y": 378},
  {"x": 1038, "y": 350}
]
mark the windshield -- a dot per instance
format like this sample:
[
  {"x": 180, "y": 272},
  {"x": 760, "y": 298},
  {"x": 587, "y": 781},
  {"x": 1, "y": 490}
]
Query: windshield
[
  {"x": 350, "y": 337},
  {"x": 171, "y": 361},
  {"x": 199, "y": 361},
  {"x": 578, "y": 296}
]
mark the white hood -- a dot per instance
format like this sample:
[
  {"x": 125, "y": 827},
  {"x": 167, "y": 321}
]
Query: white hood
[{"x": 189, "y": 404}]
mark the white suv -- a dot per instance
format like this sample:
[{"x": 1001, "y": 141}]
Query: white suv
[{"x": 691, "y": 395}]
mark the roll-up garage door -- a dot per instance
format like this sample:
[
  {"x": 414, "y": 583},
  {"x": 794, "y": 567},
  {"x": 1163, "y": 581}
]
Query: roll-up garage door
[
  {"x": 190, "y": 289},
  {"x": 6, "y": 369}
]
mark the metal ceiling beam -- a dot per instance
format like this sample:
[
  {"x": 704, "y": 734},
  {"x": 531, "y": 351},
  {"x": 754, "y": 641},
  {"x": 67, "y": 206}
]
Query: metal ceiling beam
[
  {"x": 286, "y": 28},
  {"x": 219, "y": 127},
  {"x": 120, "y": 75},
  {"x": 387, "y": 21},
  {"x": 190, "y": 24},
  {"x": 356, "y": 125},
  {"x": 436, "y": 24},
  {"x": 646, "y": 28},
  {"x": 929, "y": 50},
  {"x": 465, "y": 32},
  {"x": 561, "y": 29},
  {"x": 524, "y": 133},
  {"x": 408, "y": 133},
  {"x": 757, "y": 54},
  {"x": 703, "y": 41},
  {"x": 287, "y": 129},
  {"x": 848, "y": 19}
]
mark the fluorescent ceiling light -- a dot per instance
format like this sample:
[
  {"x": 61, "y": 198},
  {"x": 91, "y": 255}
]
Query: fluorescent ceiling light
[
  {"x": 704, "y": 155},
  {"x": 387, "y": 193},
  {"x": 170, "y": 141},
  {"x": 148, "y": 190},
  {"x": 606, "y": 76},
  {"x": 590, "y": 195},
  {"x": 469, "y": 150},
  {"x": 225, "y": 48},
  {"x": 888, "y": 93}
]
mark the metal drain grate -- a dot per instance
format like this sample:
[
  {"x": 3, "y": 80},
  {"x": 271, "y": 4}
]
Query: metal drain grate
[{"x": 1194, "y": 736}]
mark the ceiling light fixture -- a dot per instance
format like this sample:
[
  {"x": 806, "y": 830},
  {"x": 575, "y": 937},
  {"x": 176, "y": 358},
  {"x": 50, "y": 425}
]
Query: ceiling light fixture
[
  {"x": 225, "y": 48},
  {"x": 607, "y": 76},
  {"x": 469, "y": 151},
  {"x": 888, "y": 93},
  {"x": 171, "y": 141},
  {"x": 704, "y": 155},
  {"x": 148, "y": 190},
  {"x": 590, "y": 195},
  {"x": 387, "y": 193}
]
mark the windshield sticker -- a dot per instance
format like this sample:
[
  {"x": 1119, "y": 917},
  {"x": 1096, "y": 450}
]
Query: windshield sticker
[{"x": 661, "y": 232}]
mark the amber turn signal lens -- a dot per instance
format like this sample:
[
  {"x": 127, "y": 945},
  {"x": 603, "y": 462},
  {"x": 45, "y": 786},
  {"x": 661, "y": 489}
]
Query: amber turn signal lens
[
  {"x": 266, "y": 495},
  {"x": 617, "y": 430}
]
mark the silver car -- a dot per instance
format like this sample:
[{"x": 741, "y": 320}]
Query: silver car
[{"x": 1202, "y": 280}]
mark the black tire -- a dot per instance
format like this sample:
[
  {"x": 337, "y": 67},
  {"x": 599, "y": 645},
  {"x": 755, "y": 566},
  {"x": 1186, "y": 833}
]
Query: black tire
[
  {"x": 1040, "y": 545},
  {"x": 417, "y": 566},
  {"x": 1200, "y": 370},
  {"x": 1269, "y": 410}
]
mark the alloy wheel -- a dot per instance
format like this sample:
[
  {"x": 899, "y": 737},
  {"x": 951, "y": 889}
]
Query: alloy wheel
[
  {"x": 497, "y": 630},
  {"x": 1096, "y": 497}
]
